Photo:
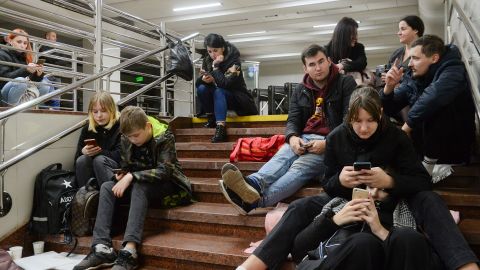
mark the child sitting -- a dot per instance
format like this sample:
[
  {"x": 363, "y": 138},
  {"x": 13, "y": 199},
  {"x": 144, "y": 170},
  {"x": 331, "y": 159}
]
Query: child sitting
[{"x": 150, "y": 172}]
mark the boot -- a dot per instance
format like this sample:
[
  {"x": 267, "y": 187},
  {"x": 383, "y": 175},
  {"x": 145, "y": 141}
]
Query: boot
[
  {"x": 211, "y": 121},
  {"x": 220, "y": 134}
]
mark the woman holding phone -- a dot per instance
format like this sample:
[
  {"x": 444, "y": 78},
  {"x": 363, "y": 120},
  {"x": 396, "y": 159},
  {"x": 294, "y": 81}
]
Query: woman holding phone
[
  {"x": 21, "y": 53},
  {"x": 221, "y": 85},
  {"x": 365, "y": 136},
  {"x": 98, "y": 150}
]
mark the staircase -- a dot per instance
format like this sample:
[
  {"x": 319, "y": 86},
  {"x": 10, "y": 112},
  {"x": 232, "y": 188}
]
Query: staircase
[{"x": 209, "y": 234}]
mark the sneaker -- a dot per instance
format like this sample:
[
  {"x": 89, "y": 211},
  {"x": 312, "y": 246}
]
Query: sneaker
[
  {"x": 233, "y": 179},
  {"x": 440, "y": 172},
  {"x": 96, "y": 260},
  {"x": 220, "y": 134},
  {"x": 242, "y": 207},
  {"x": 125, "y": 261}
]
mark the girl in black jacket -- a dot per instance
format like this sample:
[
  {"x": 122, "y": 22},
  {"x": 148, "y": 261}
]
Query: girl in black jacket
[
  {"x": 21, "y": 53},
  {"x": 98, "y": 150},
  {"x": 222, "y": 86}
]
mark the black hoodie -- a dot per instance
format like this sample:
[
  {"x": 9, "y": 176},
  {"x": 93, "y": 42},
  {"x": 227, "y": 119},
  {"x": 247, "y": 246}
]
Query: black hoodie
[{"x": 15, "y": 72}]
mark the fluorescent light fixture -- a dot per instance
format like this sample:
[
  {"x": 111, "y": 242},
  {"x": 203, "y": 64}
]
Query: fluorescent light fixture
[
  {"x": 278, "y": 55},
  {"x": 328, "y": 25},
  {"x": 324, "y": 25},
  {"x": 248, "y": 33},
  {"x": 217, "y": 4}
]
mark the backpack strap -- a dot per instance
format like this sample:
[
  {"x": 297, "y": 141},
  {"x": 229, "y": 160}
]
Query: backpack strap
[{"x": 236, "y": 150}]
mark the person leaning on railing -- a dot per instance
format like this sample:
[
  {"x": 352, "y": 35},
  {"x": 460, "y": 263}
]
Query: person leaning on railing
[{"x": 20, "y": 53}]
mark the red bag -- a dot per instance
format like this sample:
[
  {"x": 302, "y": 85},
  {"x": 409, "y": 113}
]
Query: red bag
[{"x": 256, "y": 148}]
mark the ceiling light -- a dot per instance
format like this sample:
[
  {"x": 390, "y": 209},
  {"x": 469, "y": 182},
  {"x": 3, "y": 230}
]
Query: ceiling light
[
  {"x": 248, "y": 33},
  {"x": 278, "y": 55},
  {"x": 324, "y": 25},
  {"x": 217, "y": 4}
]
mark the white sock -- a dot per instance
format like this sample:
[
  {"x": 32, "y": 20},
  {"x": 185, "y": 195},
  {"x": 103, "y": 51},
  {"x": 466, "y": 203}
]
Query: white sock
[
  {"x": 429, "y": 163},
  {"x": 103, "y": 248},
  {"x": 132, "y": 251},
  {"x": 240, "y": 268}
]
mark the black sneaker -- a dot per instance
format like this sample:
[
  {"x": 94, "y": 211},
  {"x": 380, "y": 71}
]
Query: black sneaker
[
  {"x": 125, "y": 261},
  {"x": 242, "y": 207},
  {"x": 96, "y": 260},
  {"x": 211, "y": 123}
]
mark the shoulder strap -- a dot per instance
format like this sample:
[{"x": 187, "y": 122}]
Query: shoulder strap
[{"x": 236, "y": 150}]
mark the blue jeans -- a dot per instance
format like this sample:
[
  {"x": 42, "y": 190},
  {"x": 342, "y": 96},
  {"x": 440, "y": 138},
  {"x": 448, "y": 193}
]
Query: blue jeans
[
  {"x": 215, "y": 100},
  {"x": 287, "y": 172},
  {"x": 12, "y": 91}
]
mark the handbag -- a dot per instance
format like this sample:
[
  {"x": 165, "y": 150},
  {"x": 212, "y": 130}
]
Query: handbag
[
  {"x": 84, "y": 209},
  {"x": 256, "y": 148}
]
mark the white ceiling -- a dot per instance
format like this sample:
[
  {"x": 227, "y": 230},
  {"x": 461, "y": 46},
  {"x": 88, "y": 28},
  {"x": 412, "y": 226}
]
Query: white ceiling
[{"x": 288, "y": 24}]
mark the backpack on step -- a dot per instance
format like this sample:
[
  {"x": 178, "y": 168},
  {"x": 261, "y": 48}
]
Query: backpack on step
[
  {"x": 54, "y": 191},
  {"x": 84, "y": 209},
  {"x": 256, "y": 148}
]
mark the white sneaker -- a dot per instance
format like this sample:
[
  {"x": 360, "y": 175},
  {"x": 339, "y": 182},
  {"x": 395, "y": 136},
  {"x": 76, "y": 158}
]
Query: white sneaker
[{"x": 440, "y": 172}]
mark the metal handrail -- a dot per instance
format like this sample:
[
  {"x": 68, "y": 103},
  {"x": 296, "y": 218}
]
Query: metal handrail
[
  {"x": 468, "y": 24},
  {"x": 41, "y": 99}
]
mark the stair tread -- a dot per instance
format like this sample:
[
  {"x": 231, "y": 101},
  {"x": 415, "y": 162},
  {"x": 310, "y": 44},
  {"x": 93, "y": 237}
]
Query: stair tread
[
  {"x": 204, "y": 146},
  {"x": 471, "y": 230},
  {"x": 231, "y": 131},
  {"x": 207, "y": 248},
  {"x": 206, "y": 212}
]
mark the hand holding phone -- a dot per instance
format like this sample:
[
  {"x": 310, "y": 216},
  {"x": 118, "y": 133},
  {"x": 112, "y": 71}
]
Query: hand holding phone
[
  {"x": 90, "y": 142},
  {"x": 362, "y": 165},
  {"x": 359, "y": 193},
  {"x": 119, "y": 171},
  {"x": 41, "y": 61}
]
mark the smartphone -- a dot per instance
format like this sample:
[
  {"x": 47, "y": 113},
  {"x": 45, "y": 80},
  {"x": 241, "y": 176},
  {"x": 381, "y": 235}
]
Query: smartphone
[
  {"x": 359, "y": 193},
  {"x": 359, "y": 165},
  {"x": 119, "y": 171},
  {"x": 41, "y": 61},
  {"x": 203, "y": 72},
  {"x": 91, "y": 142}
]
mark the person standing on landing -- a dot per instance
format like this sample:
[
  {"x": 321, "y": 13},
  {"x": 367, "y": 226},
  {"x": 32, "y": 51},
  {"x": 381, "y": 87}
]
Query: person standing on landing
[{"x": 317, "y": 106}]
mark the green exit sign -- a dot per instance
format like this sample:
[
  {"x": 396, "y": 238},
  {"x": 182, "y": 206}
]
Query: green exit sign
[{"x": 139, "y": 79}]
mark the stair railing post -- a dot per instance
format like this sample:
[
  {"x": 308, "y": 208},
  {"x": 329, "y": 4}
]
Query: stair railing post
[
  {"x": 5, "y": 199},
  {"x": 98, "y": 84},
  {"x": 163, "y": 93}
]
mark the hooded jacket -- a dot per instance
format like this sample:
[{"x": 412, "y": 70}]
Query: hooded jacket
[
  {"x": 231, "y": 82},
  {"x": 443, "y": 90},
  {"x": 107, "y": 139},
  {"x": 12, "y": 72},
  {"x": 302, "y": 104},
  {"x": 162, "y": 150}
]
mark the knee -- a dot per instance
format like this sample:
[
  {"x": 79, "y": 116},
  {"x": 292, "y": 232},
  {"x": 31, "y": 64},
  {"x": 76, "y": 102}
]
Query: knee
[
  {"x": 106, "y": 188},
  {"x": 83, "y": 161},
  {"x": 219, "y": 93},
  {"x": 426, "y": 200},
  {"x": 98, "y": 162},
  {"x": 366, "y": 243},
  {"x": 403, "y": 238},
  {"x": 201, "y": 89}
]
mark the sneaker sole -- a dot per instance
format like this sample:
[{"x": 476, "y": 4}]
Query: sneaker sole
[
  {"x": 100, "y": 266},
  {"x": 234, "y": 181},
  {"x": 224, "y": 192}
]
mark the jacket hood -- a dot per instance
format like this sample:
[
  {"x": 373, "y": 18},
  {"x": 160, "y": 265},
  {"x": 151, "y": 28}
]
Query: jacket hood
[
  {"x": 308, "y": 81},
  {"x": 158, "y": 128}
]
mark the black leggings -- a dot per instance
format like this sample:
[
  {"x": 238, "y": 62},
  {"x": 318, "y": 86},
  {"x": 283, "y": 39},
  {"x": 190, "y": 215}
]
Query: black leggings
[{"x": 403, "y": 249}]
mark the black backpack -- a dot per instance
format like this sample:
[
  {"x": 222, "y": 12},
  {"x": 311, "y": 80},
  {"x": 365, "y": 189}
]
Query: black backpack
[{"x": 54, "y": 191}]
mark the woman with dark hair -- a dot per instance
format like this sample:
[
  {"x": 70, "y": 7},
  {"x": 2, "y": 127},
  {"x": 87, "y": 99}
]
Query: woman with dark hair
[
  {"x": 21, "y": 53},
  {"x": 409, "y": 29},
  {"x": 221, "y": 85},
  {"x": 344, "y": 50}
]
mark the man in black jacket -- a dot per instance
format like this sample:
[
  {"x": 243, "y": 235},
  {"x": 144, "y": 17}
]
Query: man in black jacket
[
  {"x": 317, "y": 106},
  {"x": 441, "y": 121}
]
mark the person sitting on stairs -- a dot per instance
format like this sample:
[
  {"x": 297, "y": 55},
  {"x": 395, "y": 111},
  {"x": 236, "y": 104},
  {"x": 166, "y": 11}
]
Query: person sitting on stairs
[
  {"x": 221, "y": 85},
  {"x": 441, "y": 121},
  {"x": 317, "y": 106},
  {"x": 150, "y": 172}
]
